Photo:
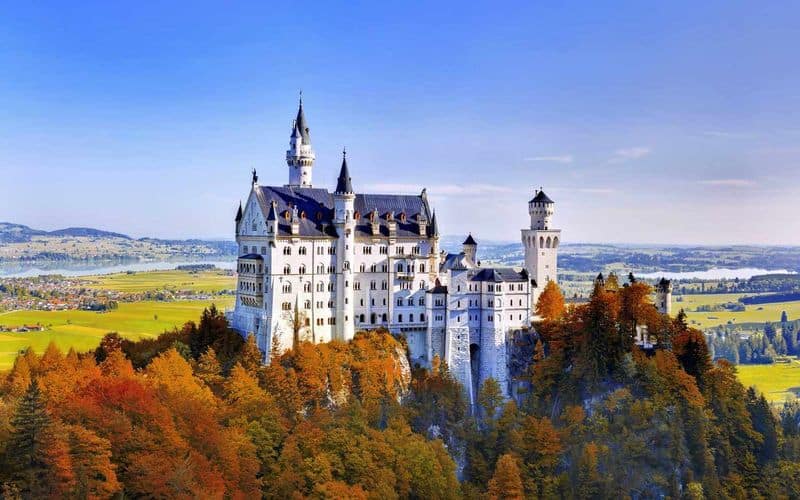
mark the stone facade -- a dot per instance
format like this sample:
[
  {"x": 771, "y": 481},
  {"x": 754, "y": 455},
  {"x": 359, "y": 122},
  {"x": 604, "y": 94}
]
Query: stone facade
[{"x": 319, "y": 266}]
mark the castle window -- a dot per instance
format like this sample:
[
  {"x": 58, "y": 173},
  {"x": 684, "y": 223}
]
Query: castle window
[
  {"x": 303, "y": 214},
  {"x": 302, "y": 251},
  {"x": 331, "y": 269},
  {"x": 373, "y": 268},
  {"x": 320, "y": 287},
  {"x": 399, "y": 268},
  {"x": 384, "y": 250},
  {"x": 287, "y": 215},
  {"x": 422, "y": 317},
  {"x": 319, "y": 216},
  {"x": 422, "y": 285},
  {"x": 357, "y": 287},
  {"x": 307, "y": 287},
  {"x": 307, "y": 304},
  {"x": 383, "y": 285},
  {"x": 254, "y": 226},
  {"x": 400, "y": 302},
  {"x": 287, "y": 288},
  {"x": 361, "y": 318},
  {"x": 287, "y": 250},
  {"x": 410, "y": 302},
  {"x": 399, "y": 318},
  {"x": 422, "y": 301},
  {"x": 372, "y": 318},
  {"x": 244, "y": 249},
  {"x": 415, "y": 250},
  {"x": 383, "y": 317},
  {"x": 330, "y": 287},
  {"x": 320, "y": 269},
  {"x": 357, "y": 215},
  {"x": 286, "y": 306},
  {"x": 362, "y": 268},
  {"x": 330, "y": 304},
  {"x": 372, "y": 285},
  {"x": 263, "y": 250},
  {"x": 287, "y": 269},
  {"x": 411, "y": 318},
  {"x": 422, "y": 268},
  {"x": 302, "y": 269}
]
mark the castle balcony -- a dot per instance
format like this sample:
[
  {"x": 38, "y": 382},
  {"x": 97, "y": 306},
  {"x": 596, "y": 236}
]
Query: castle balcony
[{"x": 404, "y": 275}]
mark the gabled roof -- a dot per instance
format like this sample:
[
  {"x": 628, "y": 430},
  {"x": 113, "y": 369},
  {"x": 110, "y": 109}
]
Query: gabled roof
[
  {"x": 499, "y": 274},
  {"x": 317, "y": 206},
  {"x": 541, "y": 198},
  {"x": 470, "y": 240}
]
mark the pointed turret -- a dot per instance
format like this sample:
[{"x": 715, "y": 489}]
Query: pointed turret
[
  {"x": 470, "y": 249},
  {"x": 434, "y": 225},
  {"x": 272, "y": 215},
  {"x": 300, "y": 156},
  {"x": 343, "y": 184},
  {"x": 239, "y": 212},
  {"x": 300, "y": 124}
]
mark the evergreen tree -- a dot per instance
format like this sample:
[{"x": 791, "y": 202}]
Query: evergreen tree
[{"x": 506, "y": 482}]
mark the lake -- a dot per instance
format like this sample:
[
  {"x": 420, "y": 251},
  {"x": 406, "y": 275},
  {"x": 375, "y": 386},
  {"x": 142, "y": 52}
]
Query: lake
[
  {"x": 743, "y": 273},
  {"x": 85, "y": 269}
]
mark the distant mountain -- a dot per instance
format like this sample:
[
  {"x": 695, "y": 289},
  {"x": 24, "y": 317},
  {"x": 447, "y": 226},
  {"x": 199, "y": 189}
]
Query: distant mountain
[
  {"x": 17, "y": 233},
  {"x": 20, "y": 243},
  {"x": 87, "y": 231}
]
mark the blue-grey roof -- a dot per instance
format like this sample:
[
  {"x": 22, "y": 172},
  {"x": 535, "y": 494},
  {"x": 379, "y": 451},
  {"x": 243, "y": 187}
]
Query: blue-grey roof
[
  {"x": 343, "y": 183},
  {"x": 300, "y": 124},
  {"x": 541, "y": 198},
  {"x": 252, "y": 256},
  {"x": 470, "y": 240},
  {"x": 500, "y": 274},
  {"x": 315, "y": 208},
  {"x": 456, "y": 261}
]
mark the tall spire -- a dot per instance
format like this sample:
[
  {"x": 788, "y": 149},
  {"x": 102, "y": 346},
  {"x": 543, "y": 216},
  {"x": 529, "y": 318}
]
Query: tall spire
[
  {"x": 300, "y": 123},
  {"x": 300, "y": 156},
  {"x": 434, "y": 225},
  {"x": 239, "y": 212},
  {"x": 343, "y": 184}
]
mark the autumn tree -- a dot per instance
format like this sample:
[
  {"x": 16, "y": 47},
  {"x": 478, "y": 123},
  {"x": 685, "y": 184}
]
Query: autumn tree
[
  {"x": 506, "y": 483},
  {"x": 550, "y": 305}
]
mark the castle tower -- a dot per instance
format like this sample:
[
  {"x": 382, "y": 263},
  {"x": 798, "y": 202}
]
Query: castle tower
[
  {"x": 664, "y": 296},
  {"x": 344, "y": 207},
  {"x": 541, "y": 243},
  {"x": 470, "y": 249},
  {"x": 300, "y": 156}
]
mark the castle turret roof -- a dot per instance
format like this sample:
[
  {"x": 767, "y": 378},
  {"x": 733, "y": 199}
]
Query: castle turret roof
[
  {"x": 272, "y": 215},
  {"x": 541, "y": 198},
  {"x": 343, "y": 184},
  {"x": 434, "y": 225},
  {"x": 470, "y": 240},
  {"x": 300, "y": 124},
  {"x": 239, "y": 212}
]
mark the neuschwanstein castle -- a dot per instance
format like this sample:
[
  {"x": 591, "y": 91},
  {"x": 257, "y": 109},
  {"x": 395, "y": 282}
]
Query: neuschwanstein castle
[{"x": 322, "y": 265}]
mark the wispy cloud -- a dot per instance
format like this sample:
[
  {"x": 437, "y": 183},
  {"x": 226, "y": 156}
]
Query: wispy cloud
[
  {"x": 626, "y": 154},
  {"x": 739, "y": 183},
  {"x": 725, "y": 134},
  {"x": 440, "y": 189},
  {"x": 587, "y": 190},
  {"x": 552, "y": 159}
]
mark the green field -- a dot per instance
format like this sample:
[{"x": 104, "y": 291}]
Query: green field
[
  {"x": 204, "y": 281},
  {"x": 756, "y": 313},
  {"x": 83, "y": 330},
  {"x": 776, "y": 381}
]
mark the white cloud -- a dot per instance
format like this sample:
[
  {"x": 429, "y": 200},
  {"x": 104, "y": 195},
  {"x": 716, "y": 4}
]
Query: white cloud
[
  {"x": 552, "y": 159},
  {"x": 588, "y": 190},
  {"x": 440, "y": 189},
  {"x": 626, "y": 154},
  {"x": 727, "y": 182}
]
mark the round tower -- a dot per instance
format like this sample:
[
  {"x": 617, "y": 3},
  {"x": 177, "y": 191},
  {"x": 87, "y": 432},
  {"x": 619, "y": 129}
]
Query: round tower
[
  {"x": 300, "y": 157},
  {"x": 664, "y": 296},
  {"x": 541, "y": 242},
  {"x": 344, "y": 207},
  {"x": 470, "y": 249},
  {"x": 541, "y": 209}
]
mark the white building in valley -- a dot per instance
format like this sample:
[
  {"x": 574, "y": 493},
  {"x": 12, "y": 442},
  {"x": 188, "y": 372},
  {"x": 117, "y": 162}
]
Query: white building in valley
[{"x": 316, "y": 265}]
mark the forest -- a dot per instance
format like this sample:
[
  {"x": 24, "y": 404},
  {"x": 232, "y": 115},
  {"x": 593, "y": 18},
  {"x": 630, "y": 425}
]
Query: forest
[{"x": 193, "y": 413}]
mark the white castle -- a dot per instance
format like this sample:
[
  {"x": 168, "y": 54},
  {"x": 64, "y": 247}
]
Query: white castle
[{"x": 318, "y": 266}]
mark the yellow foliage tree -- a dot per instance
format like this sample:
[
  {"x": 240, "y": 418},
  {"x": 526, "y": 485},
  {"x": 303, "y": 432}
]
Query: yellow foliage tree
[
  {"x": 550, "y": 305},
  {"x": 506, "y": 482}
]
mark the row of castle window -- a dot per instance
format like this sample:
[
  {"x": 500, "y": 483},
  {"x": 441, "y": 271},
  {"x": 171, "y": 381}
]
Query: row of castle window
[
  {"x": 322, "y": 321},
  {"x": 249, "y": 301},
  {"x": 410, "y": 302},
  {"x": 247, "y": 286},
  {"x": 246, "y": 267}
]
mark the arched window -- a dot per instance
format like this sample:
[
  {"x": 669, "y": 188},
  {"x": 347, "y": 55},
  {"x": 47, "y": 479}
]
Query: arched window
[
  {"x": 541, "y": 241},
  {"x": 411, "y": 318},
  {"x": 287, "y": 269},
  {"x": 372, "y": 318},
  {"x": 383, "y": 317},
  {"x": 287, "y": 288},
  {"x": 555, "y": 242},
  {"x": 399, "y": 268},
  {"x": 399, "y": 318},
  {"x": 422, "y": 268},
  {"x": 547, "y": 243},
  {"x": 362, "y": 268},
  {"x": 302, "y": 269},
  {"x": 361, "y": 318},
  {"x": 307, "y": 287},
  {"x": 422, "y": 317}
]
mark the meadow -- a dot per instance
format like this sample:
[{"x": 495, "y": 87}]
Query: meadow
[
  {"x": 203, "y": 281},
  {"x": 753, "y": 313},
  {"x": 777, "y": 381},
  {"x": 82, "y": 330}
]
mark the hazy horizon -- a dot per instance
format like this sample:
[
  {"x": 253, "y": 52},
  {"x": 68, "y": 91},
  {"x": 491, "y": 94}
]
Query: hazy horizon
[{"x": 671, "y": 123}]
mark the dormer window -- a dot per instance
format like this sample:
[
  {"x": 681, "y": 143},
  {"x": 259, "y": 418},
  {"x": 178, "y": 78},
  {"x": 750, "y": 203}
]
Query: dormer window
[
  {"x": 357, "y": 215},
  {"x": 402, "y": 216},
  {"x": 319, "y": 216},
  {"x": 303, "y": 214},
  {"x": 287, "y": 215}
]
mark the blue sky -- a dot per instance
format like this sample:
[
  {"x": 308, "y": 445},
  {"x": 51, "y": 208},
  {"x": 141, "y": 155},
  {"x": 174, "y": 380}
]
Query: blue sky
[{"x": 671, "y": 123}]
